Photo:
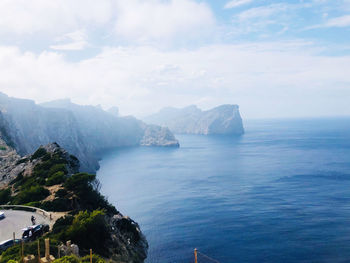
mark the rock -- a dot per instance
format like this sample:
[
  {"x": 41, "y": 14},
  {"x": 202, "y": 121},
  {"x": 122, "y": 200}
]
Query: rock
[
  {"x": 224, "y": 119},
  {"x": 9, "y": 163},
  {"x": 128, "y": 242},
  {"x": 158, "y": 136},
  {"x": 12, "y": 165}
]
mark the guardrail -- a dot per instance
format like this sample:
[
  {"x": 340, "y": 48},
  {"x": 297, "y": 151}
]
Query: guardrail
[
  {"x": 200, "y": 257},
  {"x": 26, "y": 208}
]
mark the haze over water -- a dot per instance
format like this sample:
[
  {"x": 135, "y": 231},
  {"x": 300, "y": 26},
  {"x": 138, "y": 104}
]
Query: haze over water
[{"x": 279, "y": 193}]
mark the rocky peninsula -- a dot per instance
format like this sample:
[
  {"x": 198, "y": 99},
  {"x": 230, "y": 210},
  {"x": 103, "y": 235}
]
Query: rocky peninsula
[{"x": 224, "y": 119}]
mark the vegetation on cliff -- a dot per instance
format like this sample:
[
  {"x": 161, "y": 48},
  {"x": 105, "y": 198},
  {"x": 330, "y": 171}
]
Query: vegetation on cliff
[
  {"x": 72, "y": 192},
  {"x": 51, "y": 181}
]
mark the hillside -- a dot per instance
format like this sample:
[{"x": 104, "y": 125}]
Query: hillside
[{"x": 50, "y": 179}]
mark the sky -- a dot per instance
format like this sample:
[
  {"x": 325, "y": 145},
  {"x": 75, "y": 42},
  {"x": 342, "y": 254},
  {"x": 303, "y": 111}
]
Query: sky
[{"x": 275, "y": 59}]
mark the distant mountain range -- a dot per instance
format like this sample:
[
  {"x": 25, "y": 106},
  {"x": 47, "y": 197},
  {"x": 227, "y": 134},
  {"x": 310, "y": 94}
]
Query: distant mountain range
[
  {"x": 224, "y": 119},
  {"x": 82, "y": 130}
]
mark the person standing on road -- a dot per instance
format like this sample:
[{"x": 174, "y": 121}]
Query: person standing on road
[{"x": 33, "y": 220}]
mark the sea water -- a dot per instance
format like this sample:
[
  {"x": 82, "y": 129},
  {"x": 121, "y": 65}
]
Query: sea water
[{"x": 279, "y": 193}]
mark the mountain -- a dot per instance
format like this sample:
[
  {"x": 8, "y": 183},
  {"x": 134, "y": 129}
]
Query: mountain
[
  {"x": 82, "y": 130},
  {"x": 224, "y": 119}
]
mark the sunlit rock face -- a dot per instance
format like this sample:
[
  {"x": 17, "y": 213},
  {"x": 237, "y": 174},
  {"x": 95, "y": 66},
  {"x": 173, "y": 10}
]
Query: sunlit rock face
[
  {"x": 224, "y": 119},
  {"x": 82, "y": 130}
]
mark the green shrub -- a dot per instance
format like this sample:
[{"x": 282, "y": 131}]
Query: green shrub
[
  {"x": 62, "y": 224},
  {"x": 3, "y": 148},
  {"x": 34, "y": 193},
  {"x": 18, "y": 178},
  {"x": 50, "y": 166},
  {"x": 46, "y": 157},
  {"x": 61, "y": 193},
  {"x": 95, "y": 259},
  {"x": 5, "y": 196},
  {"x": 11, "y": 253},
  {"x": 67, "y": 259},
  {"x": 58, "y": 168},
  {"x": 80, "y": 182},
  {"x": 42, "y": 169},
  {"x": 39, "y": 153},
  {"x": 29, "y": 181},
  {"x": 56, "y": 205},
  {"x": 89, "y": 230},
  {"x": 58, "y": 158},
  {"x": 88, "y": 198},
  {"x": 57, "y": 178}
]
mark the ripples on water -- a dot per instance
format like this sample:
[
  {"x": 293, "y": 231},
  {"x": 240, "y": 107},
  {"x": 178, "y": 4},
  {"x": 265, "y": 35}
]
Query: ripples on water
[{"x": 280, "y": 193}]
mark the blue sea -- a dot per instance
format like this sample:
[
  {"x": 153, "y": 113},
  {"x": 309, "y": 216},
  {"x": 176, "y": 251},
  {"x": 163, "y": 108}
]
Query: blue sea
[{"x": 279, "y": 193}]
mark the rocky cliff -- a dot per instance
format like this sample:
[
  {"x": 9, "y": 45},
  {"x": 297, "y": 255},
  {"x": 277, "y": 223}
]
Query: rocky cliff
[
  {"x": 224, "y": 119},
  {"x": 49, "y": 179},
  {"x": 82, "y": 130}
]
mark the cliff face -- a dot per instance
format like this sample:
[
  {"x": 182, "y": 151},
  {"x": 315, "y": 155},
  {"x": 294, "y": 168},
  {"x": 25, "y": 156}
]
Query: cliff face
[
  {"x": 124, "y": 241},
  {"x": 9, "y": 168},
  {"x": 224, "y": 119},
  {"x": 82, "y": 130}
]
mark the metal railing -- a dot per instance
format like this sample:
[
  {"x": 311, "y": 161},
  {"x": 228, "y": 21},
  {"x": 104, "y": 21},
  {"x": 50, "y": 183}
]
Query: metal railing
[
  {"x": 200, "y": 257},
  {"x": 37, "y": 210}
]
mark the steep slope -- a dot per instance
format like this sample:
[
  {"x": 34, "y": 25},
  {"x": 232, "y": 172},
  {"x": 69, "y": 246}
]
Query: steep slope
[
  {"x": 49, "y": 179},
  {"x": 82, "y": 130},
  {"x": 224, "y": 119}
]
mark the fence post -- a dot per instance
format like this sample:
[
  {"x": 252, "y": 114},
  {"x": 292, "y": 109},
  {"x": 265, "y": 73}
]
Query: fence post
[
  {"x": 14, "y": 238},
  {"x": 90, "y": 255},
  {"x": 39, "y": 251},
  {"x": 195, "y": 255},
  {"x": 47, "y": 248},
  {"x": 22, "y": 251}
]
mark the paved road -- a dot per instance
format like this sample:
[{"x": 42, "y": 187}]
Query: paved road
[{"x": 14, "y": 221}]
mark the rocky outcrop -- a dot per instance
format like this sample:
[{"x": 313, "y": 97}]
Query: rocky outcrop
[
  {"x": 13, "y": 165},
  {"x": 82, "y": 130},
  {"x": 158, "y": 136},
  {"x": 124, "y": 241},
  {"x": 128, "y": 242},
  {"x": 9, "y": 168},
  {"x": 224, "y": 119}
]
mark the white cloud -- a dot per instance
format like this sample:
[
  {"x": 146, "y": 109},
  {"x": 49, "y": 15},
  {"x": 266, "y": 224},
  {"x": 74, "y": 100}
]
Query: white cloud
[
  {"x": 262, "y": 11},
  {"x": 342, "y": 21},
  {"x": 76, "y": 40},
  {"x": 156, "y": 19},
  {"x": 259, "y": 20},
  {"x": 135, "y": 20},
  {"x": 236, "y": 3},
  {"x": 267, "y": 80},
  {"x": 27, "y": 17}
]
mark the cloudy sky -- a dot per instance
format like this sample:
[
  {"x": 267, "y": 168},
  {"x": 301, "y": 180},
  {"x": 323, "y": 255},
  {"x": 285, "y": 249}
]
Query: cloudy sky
[{"x": 273, "y": 58}]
